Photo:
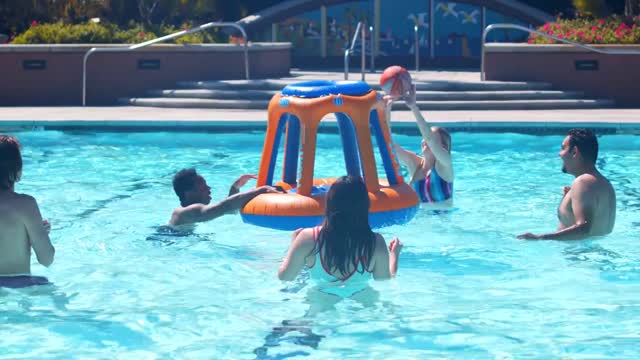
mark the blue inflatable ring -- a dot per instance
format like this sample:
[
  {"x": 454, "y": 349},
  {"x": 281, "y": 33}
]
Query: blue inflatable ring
[{"x": 319, "y": 88}]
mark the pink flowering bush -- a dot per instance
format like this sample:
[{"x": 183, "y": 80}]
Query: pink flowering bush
[{"x": 613, "y": 30}]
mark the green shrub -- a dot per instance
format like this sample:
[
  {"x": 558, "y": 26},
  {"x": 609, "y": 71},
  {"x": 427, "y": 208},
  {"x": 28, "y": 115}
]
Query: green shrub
[
  {"x": 105, "y": 33},
  {"x": 60, "y": 33},
  {"x": 135, "y": 33},
  {"x": 613, "y": 30}
]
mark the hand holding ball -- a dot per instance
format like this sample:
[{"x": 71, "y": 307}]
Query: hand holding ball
[{"x": 396, "y": 82}]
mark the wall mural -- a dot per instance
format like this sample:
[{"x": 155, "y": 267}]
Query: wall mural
[
  {"x": 397, "y": 21},
  {"x": 303, "y": 32},
  {"x": 458, "y": 28},
  {"x": 342, "y": 21}
]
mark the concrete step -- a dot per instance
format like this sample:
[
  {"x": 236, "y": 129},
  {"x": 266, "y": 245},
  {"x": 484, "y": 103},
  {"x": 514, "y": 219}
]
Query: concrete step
[
  {"x": 420, "y": 85},
  {"x": 421, "y": 95},
  {"x": 424, "y": 105}
]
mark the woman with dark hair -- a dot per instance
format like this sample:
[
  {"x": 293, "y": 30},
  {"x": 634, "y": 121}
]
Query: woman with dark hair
[
  {"x": 21, "y": 225},
  {"x": 343, "y": 251}
]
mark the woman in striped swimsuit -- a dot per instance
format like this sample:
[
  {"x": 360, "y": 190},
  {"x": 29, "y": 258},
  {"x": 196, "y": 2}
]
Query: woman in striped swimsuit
[
  {"x": 432, "y": 174},
  {"x": 343, "y": 254}
]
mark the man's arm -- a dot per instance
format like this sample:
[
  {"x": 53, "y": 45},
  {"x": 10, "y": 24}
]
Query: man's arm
[
  {"x": 199, "y": 213},
  {"x": 582, "y": 203},
  {"x": 240, "y": 182},
  {"x": 37, "y": 232}
]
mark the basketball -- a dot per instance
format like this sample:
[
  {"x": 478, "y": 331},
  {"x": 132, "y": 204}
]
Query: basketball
[{"x": 392, "y": 83}]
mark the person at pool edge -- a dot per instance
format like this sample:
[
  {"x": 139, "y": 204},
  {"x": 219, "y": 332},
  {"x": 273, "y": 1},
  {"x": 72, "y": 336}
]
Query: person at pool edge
[
  {"x": 195, "y": 196},
  {"x": 21, "y": 225},
  {"x": 588, "y": 207},
  {"x": 343, "y": 252},
  {"x": 431, "y": 173}
]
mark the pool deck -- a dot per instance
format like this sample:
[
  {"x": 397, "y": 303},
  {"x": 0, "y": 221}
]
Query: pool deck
[
  {"x": 146, "y": 118},
  {"x": 188, "y": 119}
]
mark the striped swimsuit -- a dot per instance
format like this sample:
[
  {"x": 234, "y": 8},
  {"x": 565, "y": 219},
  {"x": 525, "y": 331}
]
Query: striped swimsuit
[{"x": 433, "y": 188}]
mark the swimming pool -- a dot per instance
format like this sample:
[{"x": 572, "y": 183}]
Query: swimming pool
[{"x": 466, "y": 288}]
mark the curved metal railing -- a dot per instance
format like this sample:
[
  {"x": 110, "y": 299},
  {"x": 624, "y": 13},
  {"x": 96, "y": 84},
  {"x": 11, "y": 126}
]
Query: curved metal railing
[
  {"x": 360, "y": 31},
  {"x": 492, "y": 27},
  {"x": 162, "y": 39}
]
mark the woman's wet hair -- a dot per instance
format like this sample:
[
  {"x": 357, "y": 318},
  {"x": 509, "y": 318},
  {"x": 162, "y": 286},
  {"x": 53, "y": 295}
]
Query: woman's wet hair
[
  {"x": 10, "y": 161},
  {"x": 346, "y": 236}
]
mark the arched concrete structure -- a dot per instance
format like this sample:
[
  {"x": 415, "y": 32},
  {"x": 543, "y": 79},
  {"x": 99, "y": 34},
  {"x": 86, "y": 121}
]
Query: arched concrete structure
[{"x": 259, "y": 21}]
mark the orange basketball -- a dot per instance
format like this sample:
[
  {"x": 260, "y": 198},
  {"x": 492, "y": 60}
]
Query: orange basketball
[{"x": 391, "y": 81}]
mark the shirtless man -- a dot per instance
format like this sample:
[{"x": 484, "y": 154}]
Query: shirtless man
[
  {"x": 588, "y": 207},
  {"x": 21, "y": 225},
  {"x": 195, "y": 196}
]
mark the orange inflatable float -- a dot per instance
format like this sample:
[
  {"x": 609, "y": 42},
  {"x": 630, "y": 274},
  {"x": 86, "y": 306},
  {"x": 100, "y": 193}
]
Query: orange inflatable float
[{"x": 296, "y": 113}]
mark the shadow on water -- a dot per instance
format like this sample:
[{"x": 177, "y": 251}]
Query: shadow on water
[
  {"x": 186, "y": 237},
  {"x": 101, "y": 204},
  {"x": 82, "y": 325},
  {"x": 299, "y": 331},
  {"x": 613, "y": 267},
  {"x": 31, "y": 305},
  {"x": 27, "y": 296}
]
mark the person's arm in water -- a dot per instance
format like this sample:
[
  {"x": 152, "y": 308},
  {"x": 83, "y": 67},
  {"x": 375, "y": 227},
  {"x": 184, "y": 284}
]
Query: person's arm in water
[
  {"x": 239, "y": 183},
  {"x": 199, "y": 212},
  {"x": 442, "y": 155},
  {"x": 386, "y": 259},
  {"x": 302, "y": 245},
  {"x": 582, "y": 203},
  {"x": 37, "y": 230}
]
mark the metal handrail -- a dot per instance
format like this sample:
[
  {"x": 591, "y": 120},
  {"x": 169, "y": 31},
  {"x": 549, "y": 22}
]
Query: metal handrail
[
  {"x": 360, "y": 30},
  {"x": 162, "y": 39},
  {"x": 417, "y": 46},
  {"x": 532, "y": 31}
]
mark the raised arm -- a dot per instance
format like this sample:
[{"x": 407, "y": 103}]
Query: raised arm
[
  {"x": 407, "y": 158},
  {"x": 37, "y": 231},
  {"x": 200, "y": 212},
  {"x": 441, "y": 154}
]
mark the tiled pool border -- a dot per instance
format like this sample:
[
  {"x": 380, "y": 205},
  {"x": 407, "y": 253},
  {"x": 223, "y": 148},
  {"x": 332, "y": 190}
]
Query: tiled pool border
[{"x": 402, "y": 127}]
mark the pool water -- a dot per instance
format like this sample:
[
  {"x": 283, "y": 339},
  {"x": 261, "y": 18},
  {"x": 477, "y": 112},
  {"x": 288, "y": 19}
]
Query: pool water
[{"x": 466, "y": 287}]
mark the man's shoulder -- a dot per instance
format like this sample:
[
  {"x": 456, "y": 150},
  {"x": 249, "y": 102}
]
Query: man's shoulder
[
  {"x": 586, "y": 180},
  {"x": 592, "y": 183},
  {"x": 22, "y": 201},
  {"x": 181, "y": 214}
]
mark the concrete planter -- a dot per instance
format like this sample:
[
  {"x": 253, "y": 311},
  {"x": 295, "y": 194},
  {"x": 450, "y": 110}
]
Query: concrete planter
[
  {"x": 52, "y": 74},
  {"x": 569, "y": 68}
]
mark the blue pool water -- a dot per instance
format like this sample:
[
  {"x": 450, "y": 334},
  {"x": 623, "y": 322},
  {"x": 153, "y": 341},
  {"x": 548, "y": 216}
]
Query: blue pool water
[{"x": 466, "y": 288}]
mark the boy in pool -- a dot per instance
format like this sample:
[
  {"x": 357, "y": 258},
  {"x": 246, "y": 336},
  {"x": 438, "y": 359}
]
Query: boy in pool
[
  {"x": 21, "y": 225},
  {"x": 195, "y": 196},
  {"x": 431, "y": 173}
]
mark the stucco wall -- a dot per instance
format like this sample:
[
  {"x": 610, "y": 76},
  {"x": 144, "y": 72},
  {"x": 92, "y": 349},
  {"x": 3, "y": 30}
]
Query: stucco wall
[
  {"x": 603, "y": 75},
  {"x": 114, "y": 75}
]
